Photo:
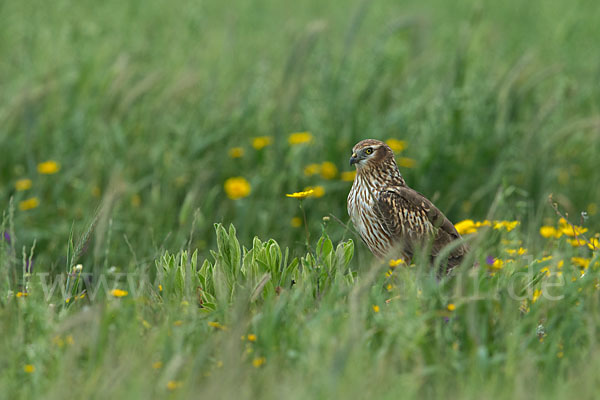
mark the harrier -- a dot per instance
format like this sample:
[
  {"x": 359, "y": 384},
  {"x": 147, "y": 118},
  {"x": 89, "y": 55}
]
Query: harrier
[{"x": 389, "y": 215}]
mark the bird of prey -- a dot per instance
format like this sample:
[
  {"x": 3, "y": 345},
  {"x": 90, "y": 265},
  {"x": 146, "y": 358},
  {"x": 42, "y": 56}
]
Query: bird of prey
[{"x": 390, "y": 216}]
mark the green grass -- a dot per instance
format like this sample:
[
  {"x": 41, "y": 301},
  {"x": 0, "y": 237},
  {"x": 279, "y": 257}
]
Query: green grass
[{"x": 140, "y": 102}]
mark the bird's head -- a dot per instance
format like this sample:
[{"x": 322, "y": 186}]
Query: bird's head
[{"x": 370, "y": 153}]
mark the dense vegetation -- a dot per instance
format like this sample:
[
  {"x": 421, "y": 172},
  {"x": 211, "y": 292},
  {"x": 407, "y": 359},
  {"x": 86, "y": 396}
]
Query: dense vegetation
[{"x": 130, "y": 128}]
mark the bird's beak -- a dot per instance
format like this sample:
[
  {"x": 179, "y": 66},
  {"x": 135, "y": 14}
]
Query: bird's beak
[{"x": 353, "y": 159}]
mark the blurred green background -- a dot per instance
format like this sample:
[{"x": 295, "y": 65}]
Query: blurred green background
[{"x": 140, "y": 102}]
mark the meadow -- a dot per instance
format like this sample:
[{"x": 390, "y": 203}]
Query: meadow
[{"x": 148, "y": 247}]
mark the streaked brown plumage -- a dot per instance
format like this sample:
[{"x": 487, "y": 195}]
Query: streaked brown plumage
[{"x": 389, "y": 215}]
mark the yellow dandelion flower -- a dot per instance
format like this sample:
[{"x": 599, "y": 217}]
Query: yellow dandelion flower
[
  {"x": 465, "y": 227},
  {"x": 508, "y": 225},
  {"x": 577, "y": 242},
  {"x": 236, "y": 152},
  {"x": 157, "y": 365},
  {"x": 29, "y": 368},
  {"x": 318, "y": 191},
  {"x": 296, "y": 222},
  {"x": 261, "y": 141},
  {"x": 29, "y": 204},
  {"x": 395, "y": 263},
  {"x": 217, "y": 325},
  {"x": 172, "y": 385},
  {"x": 581, "y": 262},
  {"x": 406, "y": 162},
  {"x": 389, "y": 287},
  {"x": 594, "y": 243},
  {"x": 300, "y": 138},
  {"x": 545, "y": 271},
  {"x": 22, "y": 294},
  {"x": 396, "y": 145},
  {"x": 451, "y": 307},
  {"x": 376, "y": 308},
  {"x": 573, "y": 230},
  {"x": 498, "y": 264},
  {"x": 258, "y": 362},
  {"x": 550, "y": 231},
  {"x": 237, "y": 188},
  {"x": 160, "y": 288},
  {"x": 48, "y": 167},
  {"x": 520, "y": 251},
  {"x": 328, "y": 170},
  {"x": 119, "y": 293},
  {"x": 536, "y": 295},
  {"x": 312, "y": 169},
  {"x": 348, "y": 176},
  {"x": 69, "y": 339},
  {"x": 252, "y": 337},
  {"x": 560, "y": 264},
  {"x": 23, "y": 184},
  {"x": 301, "y": 195}
]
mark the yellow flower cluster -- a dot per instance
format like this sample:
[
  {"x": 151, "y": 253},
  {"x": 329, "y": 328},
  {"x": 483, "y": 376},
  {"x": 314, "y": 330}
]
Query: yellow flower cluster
[
  {"x": 469, "y": 226},
  {"x": 564, "y": 228},
  {"x": 395, "y": 263},
  {"x": 581, "y": 262},
  {"x": 119, "y": 293},
  {"x": 237, "y": 188},
  {"x": 520, "y": 251},
  {"x": 48, "y": 167},
  {"x": 396, "y": 145},
  {"x": 29, "y": 204},
  {"x": 327, "y": 169},
  {"x": 236, "y": 152},
  {"x": 261, "y": 141},
  {"x": 258, "y": 362},
  {"x": 300, "y": 138},
  {"x": 23, "y": 184},
  {"x": 217, "y": 325}
]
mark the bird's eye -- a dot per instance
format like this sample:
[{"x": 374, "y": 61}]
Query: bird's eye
[{"x": 368, "y": 151}]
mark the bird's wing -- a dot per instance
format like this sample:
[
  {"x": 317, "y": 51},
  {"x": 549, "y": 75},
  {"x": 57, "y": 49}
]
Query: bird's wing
[{"x": 411, "y": 219}]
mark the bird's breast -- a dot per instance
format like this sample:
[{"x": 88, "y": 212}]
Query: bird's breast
[{"x": 362, "y": 203}]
